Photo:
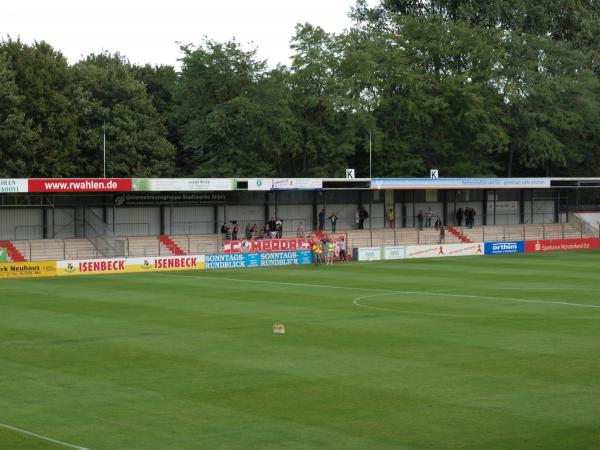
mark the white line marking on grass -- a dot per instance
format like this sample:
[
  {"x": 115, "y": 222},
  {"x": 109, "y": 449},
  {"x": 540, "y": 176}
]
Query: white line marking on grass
[
  {"x": 391, "y": 291},
  {"x": 39, "y": 436}
]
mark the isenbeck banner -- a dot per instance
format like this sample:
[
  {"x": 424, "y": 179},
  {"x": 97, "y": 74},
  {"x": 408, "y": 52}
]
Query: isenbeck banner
[
  {"x": 246, "y": 260},
  {"x": 80, "y": 185},
  {"x": 562, "y": 245},
  {"x": 443, "y": 250},
  {"x": 129, "y": 265},
  {"x": 504, "y": 248},
  {"x": 266, "y": 245}
]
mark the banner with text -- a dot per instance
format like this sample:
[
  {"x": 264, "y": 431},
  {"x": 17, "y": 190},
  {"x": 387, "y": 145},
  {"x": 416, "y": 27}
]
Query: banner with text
[
  {"x": 561, "y": 245},
  {"x": 13, "y": 185},
  {"x": 266, "y": 245},
  {"x": 184, "y": 184},
  {"x": 368, "y": 254},
  {"x": 28, "y": 269},
  {"x": 129, "y": 265},
  {"x": 443, "y": 250},
  {"x": 459, "y": 183},
  {"x": 504, "y": 248},
  {"x": 246, "y": 260},
  {"x": 393, "y": 252},
  {"x": 80, "y": 185}
]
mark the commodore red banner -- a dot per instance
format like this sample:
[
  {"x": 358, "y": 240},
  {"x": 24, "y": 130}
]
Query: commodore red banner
[
  {"x": 561, "y": 245},
  {"x": 266, "y": 245},
  {"x": 80, "y": 185}
]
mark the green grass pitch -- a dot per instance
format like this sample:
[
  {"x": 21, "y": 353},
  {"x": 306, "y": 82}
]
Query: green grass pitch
[{"x": 481, "y": 353}]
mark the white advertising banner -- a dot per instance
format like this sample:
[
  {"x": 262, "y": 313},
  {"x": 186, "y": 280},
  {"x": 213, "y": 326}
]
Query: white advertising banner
[
  {"x": 460, "y": 183},
  {"x": 260, "y": 184},
  {"x": 505, "y": 207},
  {"x": 297, "y": 183},
  {"x": 443, "y": 250},
  {"x": 369, "y": 254},
  {"x": 184, "y": 184},
  {"x": 393, "y": 252},
  {"x": 13, "y": 185}
]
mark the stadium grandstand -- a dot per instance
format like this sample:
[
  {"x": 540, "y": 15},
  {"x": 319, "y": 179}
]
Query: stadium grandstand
[{"x": 104, "y": 218}]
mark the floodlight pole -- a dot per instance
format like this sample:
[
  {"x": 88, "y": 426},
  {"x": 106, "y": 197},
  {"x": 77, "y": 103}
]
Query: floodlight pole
[
  {"x": 104, "y": 149},
  {"x": 370, "y": 157}
]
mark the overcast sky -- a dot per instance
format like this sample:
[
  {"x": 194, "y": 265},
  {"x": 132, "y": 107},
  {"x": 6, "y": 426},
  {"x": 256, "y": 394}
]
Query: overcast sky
[{"x": 148, "y": 31}]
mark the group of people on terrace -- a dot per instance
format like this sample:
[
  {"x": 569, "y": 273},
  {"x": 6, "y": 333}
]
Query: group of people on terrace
[
  {"x": 273, "y": 229},
  {"x": 327, "y": 249}
]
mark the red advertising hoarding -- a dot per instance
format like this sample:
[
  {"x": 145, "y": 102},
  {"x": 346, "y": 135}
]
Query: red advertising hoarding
[
  {"x": 561, "y": 245},
  {"x": 80, "y": 185},
  {"x": 266, "y": 245}
]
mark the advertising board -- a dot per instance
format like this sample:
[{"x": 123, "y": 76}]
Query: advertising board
[
  {"x": 561, "y": 245},
  {"x": 296, "y": 183},
  {"x": 443, "y": 250},
  {"x": 28, "y": 269},
  {"x": 459, "y": 183},
  {"x": 369, "y": 254},
  {"x": 13, "y": 185},
  {"x": 129, "y": 265},
  {"x": 247, "y": 260},
  {"x": 393, "y": 252},
  {"x": 79, "y": 185},
  {"x": 504, "y": 248},
  {"x": 266, "y": 245},
  {"x": 184, "y": 184}
]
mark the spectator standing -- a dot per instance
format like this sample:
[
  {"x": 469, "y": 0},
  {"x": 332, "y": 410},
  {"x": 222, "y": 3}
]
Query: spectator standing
[
  {"x": 342, "y": 249},
  {"x": 330, "y": 251},
  {"x": 361, "y": 218},
  {"x": 420, "y": 219},
  {"x": 390, "y": 218},
  {"x": 248, "y": 232},
  {"x": 438, "y": 224},
  {"x": 459, "y": 217},
  {"x": 279, "y": 227},
  {"x": 322, "y": 219},
  {"x": 442, "y": 235},
  {"x": 333, "y": 219},
  {"x": 357, "y": 216},
  {"x": 473, "y": 213},
  {"x": 300, "y": 230},
  {"x": 428, "y": 216}
]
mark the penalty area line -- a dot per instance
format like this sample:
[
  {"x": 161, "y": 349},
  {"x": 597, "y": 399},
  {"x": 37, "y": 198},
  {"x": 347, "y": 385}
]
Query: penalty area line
[{"x": 39, "y": 436}]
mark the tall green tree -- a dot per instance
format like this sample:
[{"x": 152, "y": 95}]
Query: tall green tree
[
  {"x": 17, "y": 137},
  {"x": 45, "y": 86},
  {"x": 111, "y": 100}
]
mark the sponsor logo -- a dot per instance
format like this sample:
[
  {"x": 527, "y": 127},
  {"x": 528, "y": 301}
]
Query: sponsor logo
[
  {"x": 504, "y": 248},
  {"x": 561, "y": 245},
  {"x": 80, "y": 185}
]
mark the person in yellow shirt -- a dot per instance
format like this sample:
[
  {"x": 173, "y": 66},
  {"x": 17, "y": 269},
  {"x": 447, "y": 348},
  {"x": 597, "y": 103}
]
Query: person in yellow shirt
[
  {"x": 330, "y": 251},
  {"x": 317, "y": 250},
  {"x": 390, "y": 218}
]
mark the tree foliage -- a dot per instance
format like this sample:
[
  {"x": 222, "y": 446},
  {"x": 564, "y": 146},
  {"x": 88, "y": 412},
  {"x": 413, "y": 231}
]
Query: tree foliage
[{"x": 470, "y": 87}]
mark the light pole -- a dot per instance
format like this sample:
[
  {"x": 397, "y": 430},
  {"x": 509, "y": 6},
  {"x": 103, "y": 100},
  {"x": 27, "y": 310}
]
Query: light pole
[{"x": 104, "y": 149}]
